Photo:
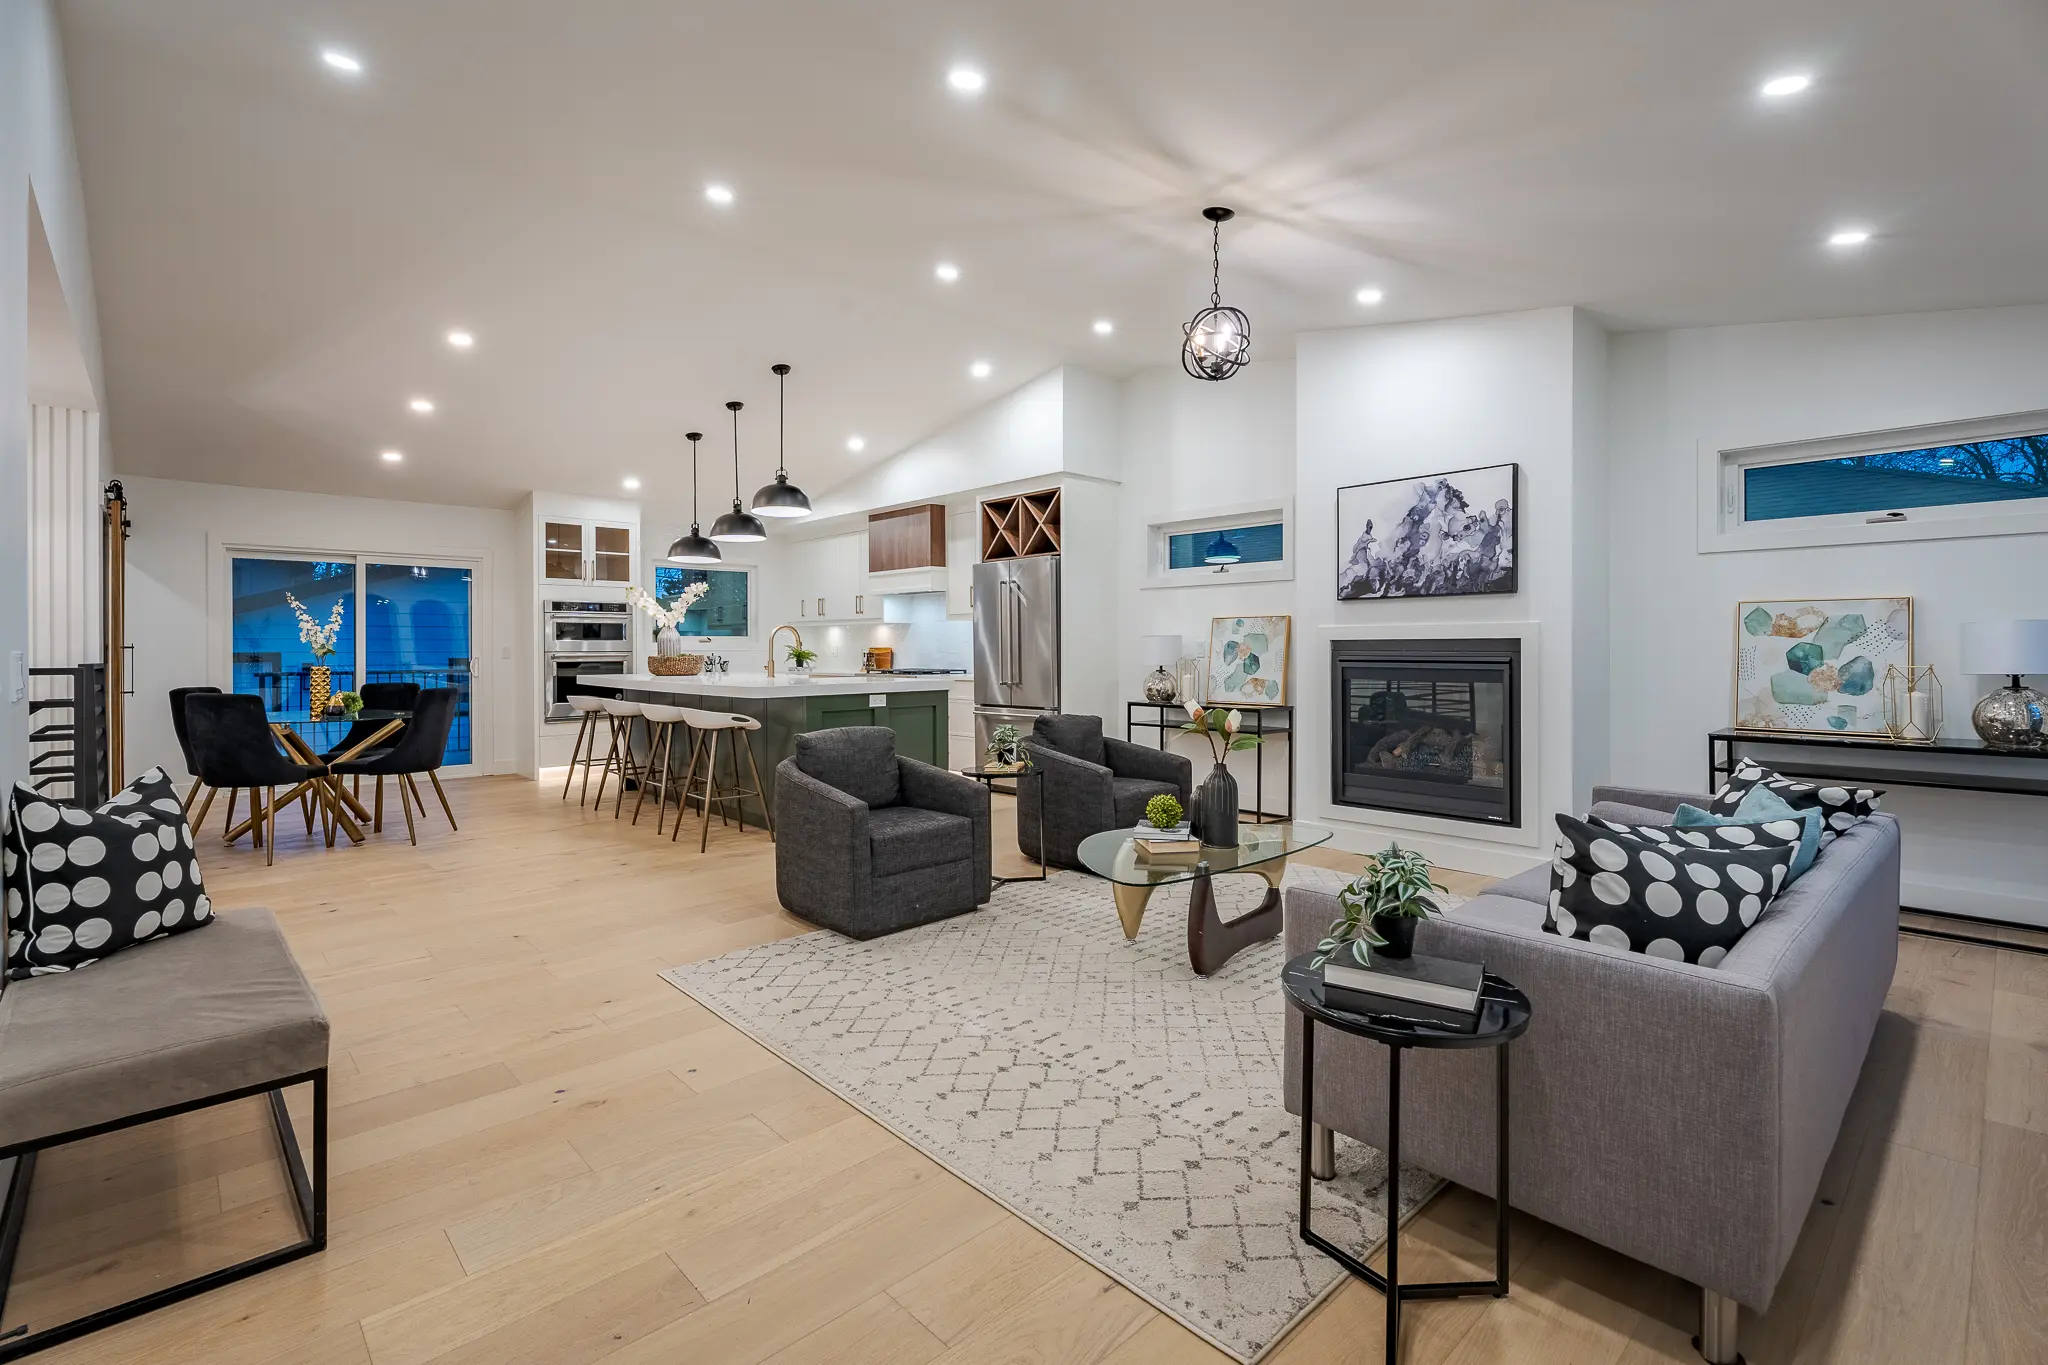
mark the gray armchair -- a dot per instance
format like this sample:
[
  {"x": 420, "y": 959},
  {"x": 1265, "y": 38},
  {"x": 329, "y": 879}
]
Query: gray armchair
[
  {"x": 868, "y": 842},
  {"x": 1091, "y": 784}
]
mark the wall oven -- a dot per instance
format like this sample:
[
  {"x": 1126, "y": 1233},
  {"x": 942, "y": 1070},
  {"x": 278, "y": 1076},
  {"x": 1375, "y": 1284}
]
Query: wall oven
[
  {"x": 586, "y": 628},
  {"x": 569, "y": 674}
]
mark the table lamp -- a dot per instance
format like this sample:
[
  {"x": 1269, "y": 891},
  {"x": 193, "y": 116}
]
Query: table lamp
[
  {"x": 1160, "y": 653},
  {"x": 2015, "y": 716}
]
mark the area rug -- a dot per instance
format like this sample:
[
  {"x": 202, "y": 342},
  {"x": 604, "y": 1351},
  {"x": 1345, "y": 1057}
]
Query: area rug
[{"x": 1094, "y": 1086}]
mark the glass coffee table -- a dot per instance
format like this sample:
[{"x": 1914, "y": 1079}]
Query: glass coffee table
[{"x": 1261, "y": 850}]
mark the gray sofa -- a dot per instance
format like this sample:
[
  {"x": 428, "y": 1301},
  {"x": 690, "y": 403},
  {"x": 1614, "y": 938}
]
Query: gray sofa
[
  {"x": 869, "y": 842},
  {"x": 1091, "y": 784},
  {"x": 1678, "y": 1114}
]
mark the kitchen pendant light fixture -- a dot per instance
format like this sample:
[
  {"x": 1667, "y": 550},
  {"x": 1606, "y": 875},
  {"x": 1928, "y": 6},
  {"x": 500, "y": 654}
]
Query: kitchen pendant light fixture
[
  {"x": 781, "y": 498},
  {"x": 694, "y": 548},
  {"x": 1219, "y": 339},
  {"x": 1222, "y": 550},
  {"x": 738, "y": 525}
]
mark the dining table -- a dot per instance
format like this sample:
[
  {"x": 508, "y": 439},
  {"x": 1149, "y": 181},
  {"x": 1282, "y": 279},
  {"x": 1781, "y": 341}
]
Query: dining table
[{"x": 349, "y": 812}]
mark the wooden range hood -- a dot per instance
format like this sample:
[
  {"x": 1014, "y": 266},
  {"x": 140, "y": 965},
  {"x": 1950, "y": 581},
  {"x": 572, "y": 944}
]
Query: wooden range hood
[{"x": 907, "y": 538}]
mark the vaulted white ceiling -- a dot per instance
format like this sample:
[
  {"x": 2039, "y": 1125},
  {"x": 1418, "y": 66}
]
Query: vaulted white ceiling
[{"x": 279, "y": 248}]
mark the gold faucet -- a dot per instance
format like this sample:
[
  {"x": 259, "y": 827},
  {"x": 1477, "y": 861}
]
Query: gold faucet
[{"x": 771, "y": 643}]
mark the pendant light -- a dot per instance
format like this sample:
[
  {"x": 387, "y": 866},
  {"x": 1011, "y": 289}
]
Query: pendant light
[
  {"x": 1222, "y": 550},
  {"x": 781, "y": 498},
  {"x": 1219, "y": 339},
  {"x": 738, "y": 524},
  {"x": 694, "y": 548}
]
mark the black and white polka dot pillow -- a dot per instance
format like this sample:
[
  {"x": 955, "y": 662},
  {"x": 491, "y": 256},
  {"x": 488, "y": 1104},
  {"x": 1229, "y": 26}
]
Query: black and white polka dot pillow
[
  {"x": 82, "y": 884},
  {"x": 1674, "y": 900},
  {"x": 1767, "y": 834},
  {"x": 1841, "y": 806}
]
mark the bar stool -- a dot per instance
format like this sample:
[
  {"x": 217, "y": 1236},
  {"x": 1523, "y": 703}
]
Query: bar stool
[
  {"x": 661, "y": 743},
  {"x": 618, "y": 756},
  {"x": 586, "y": 743},
  {"x": 709, "y": 725}
]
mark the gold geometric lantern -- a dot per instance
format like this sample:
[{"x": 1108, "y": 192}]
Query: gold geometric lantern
[{"x": 1912, "y": 704}]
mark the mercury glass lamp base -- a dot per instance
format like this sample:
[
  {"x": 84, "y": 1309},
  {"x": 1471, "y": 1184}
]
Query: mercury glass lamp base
[{"x": 2014, "y": 717}]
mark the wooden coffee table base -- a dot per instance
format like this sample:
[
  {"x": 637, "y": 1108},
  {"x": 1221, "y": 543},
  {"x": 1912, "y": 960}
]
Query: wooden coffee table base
[{"x": 1211, "y": 941}]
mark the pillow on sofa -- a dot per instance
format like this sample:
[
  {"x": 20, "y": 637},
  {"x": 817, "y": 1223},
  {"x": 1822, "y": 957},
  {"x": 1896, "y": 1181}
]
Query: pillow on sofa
[
  {"x": 1765, "y": 810},
  {"x": 1840, "y": 807},
  {"x": 82, "y": 884},
  {"x": 1667, "y": 899}
]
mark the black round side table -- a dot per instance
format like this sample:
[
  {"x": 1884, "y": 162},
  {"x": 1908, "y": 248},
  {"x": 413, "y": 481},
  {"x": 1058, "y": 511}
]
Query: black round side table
[{"x": 1503, "y": 1016}]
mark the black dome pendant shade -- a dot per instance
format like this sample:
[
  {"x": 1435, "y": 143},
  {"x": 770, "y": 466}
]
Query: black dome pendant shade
[
  {"x": 781, "y": 498},
  {"x": 738, "y": 524},
  {"x": 1219, "y": 339},
  {"x": 694, "y": 548}
]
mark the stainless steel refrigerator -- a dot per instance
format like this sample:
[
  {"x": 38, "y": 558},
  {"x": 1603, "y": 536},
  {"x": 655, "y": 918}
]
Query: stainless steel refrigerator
[{"x": 1016, "y": 643}]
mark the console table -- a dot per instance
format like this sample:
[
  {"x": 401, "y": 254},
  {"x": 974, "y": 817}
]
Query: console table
[
  {"x": 1258, "y": 720},
  {"x": 1871, "y": 760}
]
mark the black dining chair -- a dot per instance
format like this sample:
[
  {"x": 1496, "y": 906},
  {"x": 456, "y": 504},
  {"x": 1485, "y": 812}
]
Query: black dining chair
[
  {"x": 384, "y": 696},
  {"x": 178, "y": 728},
  {"x": 232, "y": 740},
  {"x": 420, "y": 747}
]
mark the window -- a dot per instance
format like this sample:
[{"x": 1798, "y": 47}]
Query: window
[
  {"x": 1253, "y": 544},
  {"x": 1932, "y": 476},
  {"x": 719, "y": 612},
  {"x": 269, "y": 658}
]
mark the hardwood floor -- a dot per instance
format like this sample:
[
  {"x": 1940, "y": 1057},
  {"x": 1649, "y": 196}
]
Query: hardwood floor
[{"x": 543, "y": 1153}]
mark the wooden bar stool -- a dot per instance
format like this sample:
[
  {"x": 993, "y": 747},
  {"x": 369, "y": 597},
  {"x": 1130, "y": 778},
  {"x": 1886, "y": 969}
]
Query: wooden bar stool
[
  {"x": 590, "y": 709},
  {"x": 709, "y": 725},
  {"x": 661, "y": 768},
  {"x": 618, "y": 755}
]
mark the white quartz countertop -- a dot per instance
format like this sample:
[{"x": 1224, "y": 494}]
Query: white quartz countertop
[{"x": 761, "y": 687}]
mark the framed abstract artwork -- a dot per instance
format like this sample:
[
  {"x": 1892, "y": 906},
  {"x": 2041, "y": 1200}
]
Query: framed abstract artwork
[
  {"x": 1247, "y": 664},
  {"x": 1817, "y": 667},
  {"x": 1443, "y": 535}
]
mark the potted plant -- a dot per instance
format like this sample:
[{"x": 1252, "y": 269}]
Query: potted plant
[
  {"x": 1215, "y": 813},
  {"x": 320, "y": 640},
  {"x": 351, "y": 703},
  {"x": 668, "y": 659},
  {"x": 1006, "y": 750},
  {"x": 800, "y": 658},
  {"x": 1382, "y": 905},
  {"x": 1163, "y": 812}
]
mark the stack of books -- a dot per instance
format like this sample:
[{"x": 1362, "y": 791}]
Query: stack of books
[
  {"x": 1436, "y": 991},
  {"x": 1176, "y": 845}
]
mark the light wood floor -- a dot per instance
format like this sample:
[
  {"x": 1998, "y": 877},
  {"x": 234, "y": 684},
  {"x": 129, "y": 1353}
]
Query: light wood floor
[{"x": 544, "y": 1154}]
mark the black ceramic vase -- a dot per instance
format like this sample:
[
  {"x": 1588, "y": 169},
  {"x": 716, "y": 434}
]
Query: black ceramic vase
[
  {"x": 1215, "y": 814},
  {"x": 1399, "y": 934}
]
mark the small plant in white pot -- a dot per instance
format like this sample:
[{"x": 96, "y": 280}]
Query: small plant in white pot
[{"x": 1382, "y": 905}]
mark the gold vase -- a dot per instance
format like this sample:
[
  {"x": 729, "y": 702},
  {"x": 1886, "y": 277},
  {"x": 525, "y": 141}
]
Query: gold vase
[{"x": 319, "y": 685}]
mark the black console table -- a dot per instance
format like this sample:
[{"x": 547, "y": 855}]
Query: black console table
[
  {"x": 1871, "y": 760},
  {"x": 1256, "y": 722}
]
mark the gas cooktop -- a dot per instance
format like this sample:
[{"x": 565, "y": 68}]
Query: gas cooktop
[{"x": 925, "y": 672}]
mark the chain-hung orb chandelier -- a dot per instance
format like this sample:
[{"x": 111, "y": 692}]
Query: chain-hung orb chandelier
[
  {"x": 1219, "y": 339},
  {"x": 694, "y": 548},
  {"x": 781, "y": 498},
  {"x": 738, "y": 524}
]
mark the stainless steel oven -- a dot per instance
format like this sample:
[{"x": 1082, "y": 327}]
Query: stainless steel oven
[
  {"x": 586, "y": 628},
  {"x": 568, "y": 674}
]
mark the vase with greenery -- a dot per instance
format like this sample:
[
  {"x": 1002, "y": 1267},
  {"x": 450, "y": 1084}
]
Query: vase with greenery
[
  {"x": 1006, "y": 749},
  {"x": 1163, "y": 812},
  {"x": 1382, "y": 905},
  {"x": 319, "y": 640},
  {"x": 1215, "y": 813}
]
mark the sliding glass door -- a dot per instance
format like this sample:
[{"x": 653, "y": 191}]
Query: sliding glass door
[{"x": 401, "y": 621}]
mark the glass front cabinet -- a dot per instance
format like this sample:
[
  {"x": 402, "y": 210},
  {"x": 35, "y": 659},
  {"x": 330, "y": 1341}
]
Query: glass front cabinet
[{"x": 586, "y": 552}]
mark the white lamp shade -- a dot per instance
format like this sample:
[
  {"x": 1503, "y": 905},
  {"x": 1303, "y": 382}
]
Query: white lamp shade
[
  {"x": 2005, "y": 647},
  {"x": 1159, "y": 651}
]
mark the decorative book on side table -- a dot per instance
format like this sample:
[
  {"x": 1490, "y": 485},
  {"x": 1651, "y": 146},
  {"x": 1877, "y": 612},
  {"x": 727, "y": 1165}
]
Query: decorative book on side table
[{"x": 1431, "y": 990}]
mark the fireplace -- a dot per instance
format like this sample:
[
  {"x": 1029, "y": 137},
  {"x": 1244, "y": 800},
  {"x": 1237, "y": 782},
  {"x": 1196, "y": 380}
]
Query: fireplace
[{"x": 1430, "y": 727}]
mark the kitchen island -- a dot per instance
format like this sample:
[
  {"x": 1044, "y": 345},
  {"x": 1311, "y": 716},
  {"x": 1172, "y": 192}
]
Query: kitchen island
[{"x": 791, "y": 705}]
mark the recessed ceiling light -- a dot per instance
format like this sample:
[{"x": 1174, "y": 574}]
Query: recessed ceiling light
[
  {"x": 341, "y": 61},
  {"x": 460, "y": 339},
  {"x": 1103, "y": 327},
  {"x": 421, "y": 405},
  {"x": 946, "y": 272},
  {"x": 856, "y": 444},
  {"x": 720, "y": 195},
  {"x": 1370, "y": 296},
  {"x": 392, "y": 456},
  {"x": 1791, "y": 83},
  {"x": 1849, "y": 237},
  {"x": 630, "y": 484},
  {"x": 981, "y": 369},
  {"x": 966, "y": 80}
]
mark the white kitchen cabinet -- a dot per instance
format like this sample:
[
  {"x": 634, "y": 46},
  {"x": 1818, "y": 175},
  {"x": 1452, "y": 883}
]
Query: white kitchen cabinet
[
  {"x": 586, "y": 551},
  {"x": 963, "y": 551},
  {"x": 831, "y": 579}
]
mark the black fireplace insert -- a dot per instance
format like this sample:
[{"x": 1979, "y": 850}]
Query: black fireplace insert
[{"x": 1430, "y": 727}]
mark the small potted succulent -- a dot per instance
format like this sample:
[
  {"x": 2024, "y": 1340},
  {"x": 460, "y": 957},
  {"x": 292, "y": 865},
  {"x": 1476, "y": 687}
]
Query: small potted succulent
[
  {"x": 349, "y": 704},
  {"x": 1382, "y": 906}
]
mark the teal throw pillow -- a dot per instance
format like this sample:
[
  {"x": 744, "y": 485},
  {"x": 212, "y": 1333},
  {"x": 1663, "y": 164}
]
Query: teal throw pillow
[{"x": 1762, "y": 806}]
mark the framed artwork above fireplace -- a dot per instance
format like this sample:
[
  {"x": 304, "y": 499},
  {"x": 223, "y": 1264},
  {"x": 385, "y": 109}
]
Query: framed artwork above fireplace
[{"x": 1442, "y": 535}]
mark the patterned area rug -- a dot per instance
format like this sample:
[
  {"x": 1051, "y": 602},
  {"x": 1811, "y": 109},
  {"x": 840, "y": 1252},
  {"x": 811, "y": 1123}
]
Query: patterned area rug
[{"x": 1094, "y": 1086}]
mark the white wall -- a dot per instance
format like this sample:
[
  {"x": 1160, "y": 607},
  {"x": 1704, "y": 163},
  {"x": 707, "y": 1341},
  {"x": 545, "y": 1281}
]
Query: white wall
[
  {"x": 66, "y": 546},
  {"x": 37, "y": 155},
  {"x": 1674, "y": 394},
  {"x": 177, "y": 596}
]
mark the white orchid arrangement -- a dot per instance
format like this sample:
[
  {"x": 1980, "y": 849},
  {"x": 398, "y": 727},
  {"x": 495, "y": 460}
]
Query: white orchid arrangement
[
  {"x": 316, "y": 637},
  {"x": 667, "y": 617}
]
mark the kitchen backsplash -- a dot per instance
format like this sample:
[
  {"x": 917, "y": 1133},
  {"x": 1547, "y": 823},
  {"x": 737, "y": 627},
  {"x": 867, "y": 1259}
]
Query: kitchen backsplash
[{"x": 915, "y": 625}]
